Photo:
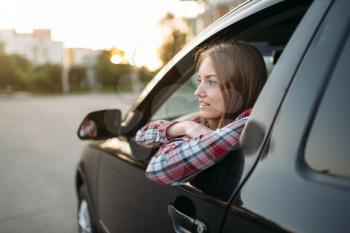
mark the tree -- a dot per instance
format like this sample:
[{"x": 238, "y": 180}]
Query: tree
[
  {"x": 175, "y": 39},
  {"x": 8, "y": 75},
  {"x": 45, "y": 78},
  {"x": 20, "y": 62},
  {"x": 2, "y": 48},
  {"x": 77, "y": 77},
  {"x": 13, "y": 69},
  {"x": 113, "y": 76},
  {"x": 171, "y": 45}
]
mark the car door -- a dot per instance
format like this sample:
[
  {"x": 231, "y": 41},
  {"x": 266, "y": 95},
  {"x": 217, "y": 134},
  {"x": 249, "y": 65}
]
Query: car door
[
  {"x": 300, "y": 182},
  {"x": 128, "y": 202}
]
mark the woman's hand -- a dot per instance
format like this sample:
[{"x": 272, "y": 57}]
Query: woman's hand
[
  {"x": 194, "y": 129},
  {"x": 187, "y": 128}
]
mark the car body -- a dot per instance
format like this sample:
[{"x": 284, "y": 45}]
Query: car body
[{"x": 293, "y": 164}]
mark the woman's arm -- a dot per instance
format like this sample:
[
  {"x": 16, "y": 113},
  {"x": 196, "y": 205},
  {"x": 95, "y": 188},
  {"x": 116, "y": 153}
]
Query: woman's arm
[
  {"x": 188, "y": 128},
  {"x": 153, "y": 134},
  {"x": 157, "y": 133},
  {"x": 178, "y": 161}
]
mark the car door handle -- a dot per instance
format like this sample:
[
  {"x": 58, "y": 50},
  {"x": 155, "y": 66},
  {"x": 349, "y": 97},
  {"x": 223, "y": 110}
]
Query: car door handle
[{"x": 183, "y": 223}]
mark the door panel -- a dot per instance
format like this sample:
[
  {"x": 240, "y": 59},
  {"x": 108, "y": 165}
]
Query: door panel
[
  {"x": 128, "y": 202},
  {"x": 278, "y": 195}
]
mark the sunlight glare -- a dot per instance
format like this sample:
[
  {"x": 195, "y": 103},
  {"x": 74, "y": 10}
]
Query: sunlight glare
[
  {"x": 116, "y": 59},
  {"x": 146, "y": 55}
]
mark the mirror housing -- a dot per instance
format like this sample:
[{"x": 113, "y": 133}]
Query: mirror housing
[{"x": 100, "y": 125}]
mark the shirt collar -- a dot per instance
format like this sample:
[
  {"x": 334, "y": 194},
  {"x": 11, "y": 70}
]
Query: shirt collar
[{"x": 244, "y": 114}]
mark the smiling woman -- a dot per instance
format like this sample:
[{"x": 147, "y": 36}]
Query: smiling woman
[
  {"x": 211, "y": 99},
  {"x": 231, "y": 75}
]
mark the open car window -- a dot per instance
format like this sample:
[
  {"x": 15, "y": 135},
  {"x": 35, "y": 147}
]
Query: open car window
[
  {"x": 180, "y": 103},
  {"x": 269, "y": 36},
  {"x": 184, "y": 104}
]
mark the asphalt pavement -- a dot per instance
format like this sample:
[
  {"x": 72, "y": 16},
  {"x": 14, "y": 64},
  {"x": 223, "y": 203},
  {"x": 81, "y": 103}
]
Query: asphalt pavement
[{"x": 39, "y": 151}]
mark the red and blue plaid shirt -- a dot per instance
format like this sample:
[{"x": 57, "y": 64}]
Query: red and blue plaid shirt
[{"x": 179, "y": 159}]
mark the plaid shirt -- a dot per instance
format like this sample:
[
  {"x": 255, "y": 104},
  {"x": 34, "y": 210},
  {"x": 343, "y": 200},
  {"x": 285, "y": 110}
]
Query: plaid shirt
[{"x": 179, "y": 159}]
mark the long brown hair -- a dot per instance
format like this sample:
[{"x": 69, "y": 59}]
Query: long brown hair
[{"x": 241, "y": 72}]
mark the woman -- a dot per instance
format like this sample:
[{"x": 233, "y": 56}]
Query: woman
[{"x": 231, "y": 75}]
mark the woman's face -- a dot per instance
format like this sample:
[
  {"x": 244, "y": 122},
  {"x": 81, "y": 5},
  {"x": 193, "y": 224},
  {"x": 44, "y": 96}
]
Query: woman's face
[{"x": 211, "y": 100}]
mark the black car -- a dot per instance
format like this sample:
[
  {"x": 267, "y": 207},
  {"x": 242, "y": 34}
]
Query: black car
[{"x": 292, "y": 173}]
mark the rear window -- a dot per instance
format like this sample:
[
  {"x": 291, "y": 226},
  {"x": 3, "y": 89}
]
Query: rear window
[{"x": 328, "y": 145}]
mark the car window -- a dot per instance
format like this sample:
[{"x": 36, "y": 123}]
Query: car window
[
  {"x": 270, "y": 52},
  {"x": 181, "y": 102},
  {"x": 222, "y": 178},
  {"x": 328, "y": 145}
]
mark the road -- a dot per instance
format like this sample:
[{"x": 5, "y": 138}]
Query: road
[{"x": 39, "y": 151}]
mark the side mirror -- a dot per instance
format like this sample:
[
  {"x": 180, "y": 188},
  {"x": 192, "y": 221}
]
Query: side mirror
[{"x": 100, "y": 125}]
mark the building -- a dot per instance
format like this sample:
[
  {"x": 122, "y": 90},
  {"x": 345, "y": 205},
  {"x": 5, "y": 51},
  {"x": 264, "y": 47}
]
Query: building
[
  {"x": 83, "y": 57},
  {"x": 37, "y": 47}
]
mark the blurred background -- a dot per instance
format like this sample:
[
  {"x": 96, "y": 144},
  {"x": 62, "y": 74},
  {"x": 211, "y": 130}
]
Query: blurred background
[{"x": 59, "y": 60}]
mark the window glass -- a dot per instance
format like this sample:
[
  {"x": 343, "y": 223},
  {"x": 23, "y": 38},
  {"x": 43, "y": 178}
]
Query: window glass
[
  {"x": 327, "y": 149},
  {"x": 181, "y": 102},
  {"x": 270, "y": 52}
]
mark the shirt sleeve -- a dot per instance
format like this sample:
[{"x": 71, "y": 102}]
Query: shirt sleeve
[
  {"x": 153, "y": 134},
  {"x": 178, "y": 161}
]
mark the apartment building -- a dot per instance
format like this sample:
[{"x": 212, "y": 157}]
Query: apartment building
[{"x": 37, "y": 47}]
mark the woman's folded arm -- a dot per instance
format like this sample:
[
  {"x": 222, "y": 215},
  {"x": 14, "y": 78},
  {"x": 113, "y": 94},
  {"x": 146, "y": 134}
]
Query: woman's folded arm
[
  {"x": 153, "y": 134},
  {"x": 178, "y": 161}
]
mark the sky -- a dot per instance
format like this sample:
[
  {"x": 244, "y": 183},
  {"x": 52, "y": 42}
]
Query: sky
[{"x": 130, "y": 25}]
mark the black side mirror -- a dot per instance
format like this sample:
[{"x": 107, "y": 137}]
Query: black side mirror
[{"x": 100, "y": 125}]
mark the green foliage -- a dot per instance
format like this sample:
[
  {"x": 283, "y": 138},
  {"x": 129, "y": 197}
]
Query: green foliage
[
  {"x": 77, "y": 78},
  {"x": 175, "y": 40},
  {"x": 171, "y": 45},
  {"x": 19, "y": 74},
  {"x": 45, "y": 78},
  {"x": 2, "y": 48},
  {"x": 145, "y": 76},
  {"x": 12, "y": 71},
  {"x": 20, "y": 62},
  {"x": 116, "y": 76}
]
